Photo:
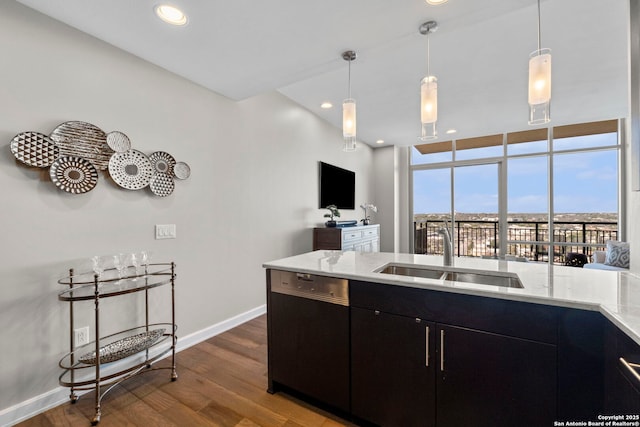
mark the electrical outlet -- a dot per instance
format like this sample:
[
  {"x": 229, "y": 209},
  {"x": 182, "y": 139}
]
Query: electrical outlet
[{"x": 81, "y": 336}]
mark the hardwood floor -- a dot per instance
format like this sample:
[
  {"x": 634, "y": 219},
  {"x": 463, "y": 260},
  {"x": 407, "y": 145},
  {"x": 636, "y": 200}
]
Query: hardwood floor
[{"x": 221, "y": 382}]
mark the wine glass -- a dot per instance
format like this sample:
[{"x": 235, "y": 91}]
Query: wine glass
[
  {"x": 98, "y": 265},
  {"x": 120, "y": 263},
  {"x": 134, "y": 262},
  {"x": 144, "y": 259}
]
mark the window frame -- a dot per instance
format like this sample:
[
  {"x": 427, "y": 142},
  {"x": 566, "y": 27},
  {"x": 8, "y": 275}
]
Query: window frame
[{"x": 531, "y": 135}]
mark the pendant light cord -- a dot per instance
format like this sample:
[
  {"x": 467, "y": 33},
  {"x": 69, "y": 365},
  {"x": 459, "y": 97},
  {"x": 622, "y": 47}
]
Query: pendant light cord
[
  {"x": 350, "y": 79},
  {"x": 539, "y": 32},
  {"x": 428, "y": 57}
]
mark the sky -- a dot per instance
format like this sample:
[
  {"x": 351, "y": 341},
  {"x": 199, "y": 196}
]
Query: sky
[{"x": 584, "y": 182}]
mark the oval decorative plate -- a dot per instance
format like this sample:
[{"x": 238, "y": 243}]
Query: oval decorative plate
[
  {"x": 73, "y": 174},
  {"x": 162, "y": 162},
  {"x": 131, "y": 170},
  {"x": 181, "y": 170},
  {"x": 83, "y": 140},
  {"x": 122, "y": 348},
  {"x": 118, "y": 142},
  {"x": 34, "y": 149},
  {"x": 161, "y": 184}
]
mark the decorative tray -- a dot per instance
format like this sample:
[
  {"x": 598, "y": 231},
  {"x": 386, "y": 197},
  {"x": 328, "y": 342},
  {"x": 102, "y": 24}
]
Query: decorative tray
[
  {"x": 84, "y": 140},
  {"x": 131, "y": 170},
  {"x": 34, "y": 149},
  {"x": 123, "y": 348}
]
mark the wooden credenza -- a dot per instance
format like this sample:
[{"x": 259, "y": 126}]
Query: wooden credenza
[{"x": 363, "y": 238}]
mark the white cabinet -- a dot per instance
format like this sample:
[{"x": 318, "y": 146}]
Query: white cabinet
[{"x": 364, "y": 238}]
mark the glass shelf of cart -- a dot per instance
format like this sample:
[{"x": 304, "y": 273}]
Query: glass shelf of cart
[
  {"x": 111, "y": 274},
  {"x": 117, "y": 361},
  {"x": 110, "y": 284}
]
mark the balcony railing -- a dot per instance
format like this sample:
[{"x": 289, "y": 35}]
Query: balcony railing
[{"x": 527, "y": 240}]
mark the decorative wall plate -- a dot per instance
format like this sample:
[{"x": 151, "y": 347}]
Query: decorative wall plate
[
  {"x": 118, "y": 141},
  {"x": 83, "y": 140},
  {"x": 181, "y": 170},
  {"x": 73, "y": 174},
  {"x": 131, "y": 170},
  {"x": 122, "y": 348},
  {"x": 161, "y": 184},
  {"x": 162, "y": 162},
  {"x": 34, "y": 149}
]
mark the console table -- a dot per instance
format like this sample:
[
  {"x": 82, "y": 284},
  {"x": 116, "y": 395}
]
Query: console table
[{"x": 364, "y": 238}]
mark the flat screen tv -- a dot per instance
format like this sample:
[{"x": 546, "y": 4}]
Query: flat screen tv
[{"x": 337, "y": 187}]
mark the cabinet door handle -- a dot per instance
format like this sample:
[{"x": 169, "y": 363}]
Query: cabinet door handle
[
  {"x": 442, "y": 350},
  {"x": 630, "y": 367},
  {"x": 426, "y": 357}
]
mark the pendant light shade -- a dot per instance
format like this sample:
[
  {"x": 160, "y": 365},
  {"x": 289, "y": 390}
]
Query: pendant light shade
[
  {"x": 429, "y": 107},
  {"x": 428, "y": 92},
  {"x": 349, "y": 124},
  {"x": 349, "y": 110},
  {"x": 539, "y": 83}
]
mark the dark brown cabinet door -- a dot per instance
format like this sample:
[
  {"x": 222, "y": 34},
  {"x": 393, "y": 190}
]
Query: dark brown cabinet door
[
  {"x": 622, "y": 388},
  {"x": 309, "y": 348},
  {"x": 392, "y": 369},
  {"x": 487, "y": 379}
]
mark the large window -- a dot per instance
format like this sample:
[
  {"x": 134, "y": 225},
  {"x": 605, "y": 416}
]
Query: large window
[{"x": 534, "y": 195}]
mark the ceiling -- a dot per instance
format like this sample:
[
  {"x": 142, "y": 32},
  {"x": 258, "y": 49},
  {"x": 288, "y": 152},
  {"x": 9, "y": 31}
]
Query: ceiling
[{"x": 243, "y": 48}]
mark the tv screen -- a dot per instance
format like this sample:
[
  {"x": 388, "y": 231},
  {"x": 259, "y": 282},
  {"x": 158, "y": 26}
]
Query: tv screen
[{"x": 337, "y": 187}]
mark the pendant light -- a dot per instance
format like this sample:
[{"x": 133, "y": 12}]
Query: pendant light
[
  {"x": 349, "y": 110},
  {"x": 539, "y": 83},
  {"x": 428, "y": 91}
]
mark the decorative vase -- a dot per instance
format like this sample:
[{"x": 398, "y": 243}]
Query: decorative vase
[{"x": 330, "y": 223}]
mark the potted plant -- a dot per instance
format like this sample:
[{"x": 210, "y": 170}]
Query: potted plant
[
  {"x": 333, "y": 212},
  {"x": 366, "y": 207}
]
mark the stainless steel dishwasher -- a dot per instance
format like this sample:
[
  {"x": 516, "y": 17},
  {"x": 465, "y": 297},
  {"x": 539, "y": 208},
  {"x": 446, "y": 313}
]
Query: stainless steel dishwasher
[{"x": 308, "y": 336}]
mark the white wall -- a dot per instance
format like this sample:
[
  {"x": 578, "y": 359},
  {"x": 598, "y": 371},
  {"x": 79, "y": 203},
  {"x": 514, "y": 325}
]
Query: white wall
[
  {"x": 252, "y": 195},
  {"x": 386, "y": 197}
]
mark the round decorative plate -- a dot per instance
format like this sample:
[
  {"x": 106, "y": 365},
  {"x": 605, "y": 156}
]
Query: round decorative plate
[
  {"x": 122, "y": 348},
  {"x": 118, "y": 142},
  {"x": 34, "y": 149},
  {"x": 181, "y": 170},
  {"x": 131, "y": 170},
  {"x": 162, "y": 162},
  {"x": 161, "y": 184},
  {"x": 83, "y": 140},
  {"x": 73, "y": 174}
]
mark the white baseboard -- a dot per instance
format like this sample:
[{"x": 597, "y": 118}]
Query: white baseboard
[
  {"x": 60, "y": 395},
  {"x": 218, "y": 328}
]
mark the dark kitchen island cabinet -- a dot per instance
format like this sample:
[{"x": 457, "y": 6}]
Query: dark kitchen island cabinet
[
  {"x": 397, "y": 355},
  {"x": 411, "y": 371}
]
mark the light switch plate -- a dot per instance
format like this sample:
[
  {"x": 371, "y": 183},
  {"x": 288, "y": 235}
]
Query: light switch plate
[{"x": 165, "y": 231}]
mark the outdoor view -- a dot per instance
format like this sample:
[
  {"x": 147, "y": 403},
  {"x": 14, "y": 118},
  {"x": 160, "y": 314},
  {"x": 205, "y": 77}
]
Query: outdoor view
[{"x": 584, "y": 201}]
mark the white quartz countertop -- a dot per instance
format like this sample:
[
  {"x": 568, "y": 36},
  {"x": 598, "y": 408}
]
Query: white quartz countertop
[{"x": 615, "y": 294}]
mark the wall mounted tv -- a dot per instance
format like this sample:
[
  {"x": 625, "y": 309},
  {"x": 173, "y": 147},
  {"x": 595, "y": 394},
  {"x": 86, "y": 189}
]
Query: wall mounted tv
[{"x": 337, "y": 187}]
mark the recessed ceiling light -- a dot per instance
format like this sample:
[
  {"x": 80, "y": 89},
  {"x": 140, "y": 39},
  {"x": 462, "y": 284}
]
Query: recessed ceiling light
[
  {"x": 380, "y": 141},
  {"x": 326, "y": 105},
  {"x": 436, "y": 2},
  {"x": 450, "y": 131},
  {"x": 171, "y": 15}
]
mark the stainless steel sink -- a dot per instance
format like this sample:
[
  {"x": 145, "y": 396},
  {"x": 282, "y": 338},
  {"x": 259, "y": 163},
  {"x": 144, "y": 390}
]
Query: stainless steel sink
[
  {"x": 402, "y": 270},
  {"x": 507, "y": 280}
]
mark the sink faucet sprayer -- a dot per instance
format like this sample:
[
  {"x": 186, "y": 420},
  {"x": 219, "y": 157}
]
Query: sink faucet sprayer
[{"x": 446, "y": 236}]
